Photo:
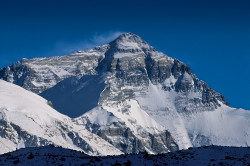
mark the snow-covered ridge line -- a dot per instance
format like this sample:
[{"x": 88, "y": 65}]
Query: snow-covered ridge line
[{"x": 26, "y": 120}]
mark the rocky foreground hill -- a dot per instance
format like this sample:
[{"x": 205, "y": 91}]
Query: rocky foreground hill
[{"x": 210, "y": 155}]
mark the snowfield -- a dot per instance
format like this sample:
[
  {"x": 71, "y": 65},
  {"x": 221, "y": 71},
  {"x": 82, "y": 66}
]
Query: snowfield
[{"x": 225, "y": 126}]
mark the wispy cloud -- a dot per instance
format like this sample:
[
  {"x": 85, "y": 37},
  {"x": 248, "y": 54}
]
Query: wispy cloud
[
  {"x": 105, "y": 38},
  {"x": 64, "y": 47}
]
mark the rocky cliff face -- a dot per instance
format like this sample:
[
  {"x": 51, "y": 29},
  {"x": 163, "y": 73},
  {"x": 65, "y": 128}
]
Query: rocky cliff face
[
  {"x": 139, "y": 98},
  {"x": 39, "y": 74}
]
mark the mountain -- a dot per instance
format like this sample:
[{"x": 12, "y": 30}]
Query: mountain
[
  {"x": 134, "y": 97},
  {"x": 26, "y": 120},
  {"x": 49, "y": 155}
]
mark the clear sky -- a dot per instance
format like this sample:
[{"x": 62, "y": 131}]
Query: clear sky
[{"x": 211, "y": 36}]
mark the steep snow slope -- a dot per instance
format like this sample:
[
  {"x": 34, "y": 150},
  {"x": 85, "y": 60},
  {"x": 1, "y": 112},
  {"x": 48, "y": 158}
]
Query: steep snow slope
[
  {"x": 213, "y": 155},
  {"x": 27, "y": 120},
  {"x": 222, "y": 126}
]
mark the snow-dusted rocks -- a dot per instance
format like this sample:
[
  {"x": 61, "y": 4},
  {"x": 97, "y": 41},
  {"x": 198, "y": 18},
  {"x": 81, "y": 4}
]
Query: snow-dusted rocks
[
  {"x": 39, "y": 74},
  {"x": 212, "y": 155},
  {"x": 139, "y": 98}
]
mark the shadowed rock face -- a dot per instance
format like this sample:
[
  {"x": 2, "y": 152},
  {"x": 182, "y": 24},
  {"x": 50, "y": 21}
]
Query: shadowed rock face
[
  {"x": 69, "y": 95},
  {"x": 156, "y": 143},
  {"x": 111, "y": 76},
  {"x": 120, "y": 136}
]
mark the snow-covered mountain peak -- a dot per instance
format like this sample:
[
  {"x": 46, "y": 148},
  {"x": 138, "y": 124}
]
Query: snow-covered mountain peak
[
  {"x": 130, "y": 41},
  {"x": 129, "y": 37},
  {"x": 140, "y": 99}
]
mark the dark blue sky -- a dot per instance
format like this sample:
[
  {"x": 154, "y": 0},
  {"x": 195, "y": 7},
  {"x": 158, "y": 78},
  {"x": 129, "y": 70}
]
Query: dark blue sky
[{"x": 211, "y": 36}]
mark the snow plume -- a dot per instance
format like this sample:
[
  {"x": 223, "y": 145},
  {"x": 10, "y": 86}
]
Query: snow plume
[
  {"x": 66, "y": 47},
  {"x": 100, "y": 39}
]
